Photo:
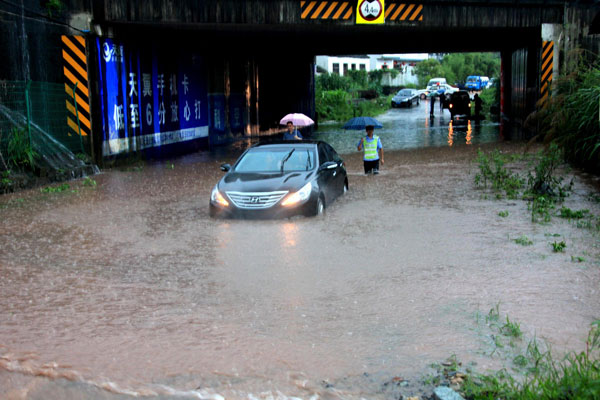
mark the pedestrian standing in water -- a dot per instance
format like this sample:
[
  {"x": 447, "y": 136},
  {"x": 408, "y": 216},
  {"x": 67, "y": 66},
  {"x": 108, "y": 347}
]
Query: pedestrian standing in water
[
  {"x": 431, "y": 105},
  {"x": 373, "y": 151},
  {"x": 442, "y": 102},
  {"x": 478, "y": 103},
  {"x": 292, "y": 133}
]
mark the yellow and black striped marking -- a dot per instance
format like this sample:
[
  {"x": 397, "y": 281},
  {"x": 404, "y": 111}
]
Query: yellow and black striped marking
[
  {"x": 75, "y": 69},
  {"x": 330, "y": 10},
  {"x": 547, "y": 67},
  {"x": 403, "y": 12}
]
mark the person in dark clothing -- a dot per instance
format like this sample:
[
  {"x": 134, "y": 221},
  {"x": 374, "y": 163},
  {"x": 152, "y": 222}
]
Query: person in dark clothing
[
  {"x": 478, "y": 104},
  {"x": 292, "y": 133},
  {"x": 432, "y": 105},
  {"x": 442, "y": 102}
]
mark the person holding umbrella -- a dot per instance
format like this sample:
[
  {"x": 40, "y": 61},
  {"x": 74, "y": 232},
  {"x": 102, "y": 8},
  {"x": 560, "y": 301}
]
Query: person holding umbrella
[
  {"x": 292, "y": 133},
  {"x": 291, "y": 121},
  {"x": 373, "y": 150}
]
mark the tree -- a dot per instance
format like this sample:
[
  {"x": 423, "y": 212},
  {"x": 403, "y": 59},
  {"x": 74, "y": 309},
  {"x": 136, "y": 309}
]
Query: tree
[
  {"x": 457, "y": 66},
  {"x": 428, "y": 69}
]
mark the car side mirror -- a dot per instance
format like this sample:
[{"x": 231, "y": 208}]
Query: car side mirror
[
  {"x": 328, "y": 165},
  {"x": 225, "y": 167}
]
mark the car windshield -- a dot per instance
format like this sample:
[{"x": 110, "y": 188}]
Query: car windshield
[
  {"x": 404, "y": 92},
  {"x": 282, "y": 159},
  {"x": 472, "y": 80}
]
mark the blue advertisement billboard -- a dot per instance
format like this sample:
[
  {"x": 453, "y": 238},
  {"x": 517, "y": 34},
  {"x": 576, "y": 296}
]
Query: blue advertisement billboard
[{"x": 150, "y": 97}]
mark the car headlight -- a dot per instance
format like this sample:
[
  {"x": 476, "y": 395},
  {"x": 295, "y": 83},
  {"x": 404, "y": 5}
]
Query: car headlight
[
  {"x": 298, "y": 196},
  {"x": 217, "y": 197}
]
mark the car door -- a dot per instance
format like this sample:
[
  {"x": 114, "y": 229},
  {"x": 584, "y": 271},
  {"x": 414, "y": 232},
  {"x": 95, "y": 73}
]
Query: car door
[
  {"x": 340, "y": 174},
  {"x": 327, "y": 177}
]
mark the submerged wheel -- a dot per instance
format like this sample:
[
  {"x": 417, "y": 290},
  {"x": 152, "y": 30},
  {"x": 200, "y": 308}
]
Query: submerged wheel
[
  {"x": 345, "y": 187},
  {"x": 320, "y": 208}
]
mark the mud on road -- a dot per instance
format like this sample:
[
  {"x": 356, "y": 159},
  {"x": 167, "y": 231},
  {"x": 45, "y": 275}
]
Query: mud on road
[{"x": 128, "y": 288}]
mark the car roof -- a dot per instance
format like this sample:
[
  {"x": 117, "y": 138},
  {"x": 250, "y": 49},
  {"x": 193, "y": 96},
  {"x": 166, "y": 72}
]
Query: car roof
[{"x": 287, "y": 143}]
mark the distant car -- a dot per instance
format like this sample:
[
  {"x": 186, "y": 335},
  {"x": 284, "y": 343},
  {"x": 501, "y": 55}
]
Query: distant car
[
  {"x": 460, "y": 104},
  {"x": 436, "y": 82},
  {"x": 476, "y": 82},
  {"x": 280, "y": 179},
  {"x": 405, "y": 97},
  {"x": 446, "y": 89}
]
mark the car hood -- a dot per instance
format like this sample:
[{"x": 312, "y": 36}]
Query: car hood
[
  {"x": 265, "y": 182},
  {"x": 401, "y": 98}
]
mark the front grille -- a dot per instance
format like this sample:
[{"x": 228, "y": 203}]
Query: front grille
[{"x": 255, "y": 200}]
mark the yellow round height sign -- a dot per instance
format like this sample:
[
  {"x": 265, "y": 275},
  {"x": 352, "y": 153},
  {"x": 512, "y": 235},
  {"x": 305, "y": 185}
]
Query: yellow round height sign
[{"x": 370, "y": 12}]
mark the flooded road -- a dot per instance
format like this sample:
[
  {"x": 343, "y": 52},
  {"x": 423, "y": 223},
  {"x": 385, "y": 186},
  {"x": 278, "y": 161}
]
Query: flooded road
[
  {"x": 129, "y": 289},
  {"x": 411, "y": 128}
]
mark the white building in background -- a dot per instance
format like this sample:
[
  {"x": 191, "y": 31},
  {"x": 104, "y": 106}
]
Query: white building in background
[
  {"x": 342, "y": 64},
  {"x": 403, "y": 63}
]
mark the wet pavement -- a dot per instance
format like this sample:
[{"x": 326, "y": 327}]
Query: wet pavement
[
  {"x": 411, "y": 128},
  {"x": 129, "y": 289}
]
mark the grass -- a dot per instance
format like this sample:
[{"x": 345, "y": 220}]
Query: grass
[
  {"x": 18, "y": 202},
  {"x": 89, "y": 182},
  {"x": 493, "y": 171},
  {"x": 511, "y": 329},
  {"x": 56, "y": 189},
  {"x": 566, "y": 212},
  {"x": 503, "y": 214},
  {"x": 541, "y": 207},
  {"x": 577, "y": 259},
  {"x": 558, "y": 247},
  {"x": 543, "y": 188},
  {"x": 576, "y": 376},
  {"x": 523, "y": 241},
  {"x": 493, "y": 314}
]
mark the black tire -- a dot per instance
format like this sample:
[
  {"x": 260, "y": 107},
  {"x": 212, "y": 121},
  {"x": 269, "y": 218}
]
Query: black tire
[
  {"x": 345, "y": 189},
  {"x": 320, "y": 207}
]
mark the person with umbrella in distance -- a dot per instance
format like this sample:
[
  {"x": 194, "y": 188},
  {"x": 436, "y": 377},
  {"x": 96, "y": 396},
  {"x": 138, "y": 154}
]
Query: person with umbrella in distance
[
  {"x": 292, "y": 121},
  {"x": 373, "y": 150},
  {"x": 292, "y": 133}
]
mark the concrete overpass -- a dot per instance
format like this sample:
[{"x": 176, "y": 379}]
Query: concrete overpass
[{"x": 253, "y": 60}]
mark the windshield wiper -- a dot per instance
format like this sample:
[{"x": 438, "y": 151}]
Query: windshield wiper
[
  {"x": 287, "y": 157},
  {"x": 308, "y": 161}
]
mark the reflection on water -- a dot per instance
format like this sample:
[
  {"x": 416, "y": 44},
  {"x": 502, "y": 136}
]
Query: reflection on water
[
  {"x": 411, "y": 129},
  {"x": 455, "y": 132}
]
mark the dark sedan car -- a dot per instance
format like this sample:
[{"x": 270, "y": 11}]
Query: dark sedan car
[
  {"x": 460, "y": 104},
  {"x": 280, "y": 179},
  {"x": 405, "y": 97}
]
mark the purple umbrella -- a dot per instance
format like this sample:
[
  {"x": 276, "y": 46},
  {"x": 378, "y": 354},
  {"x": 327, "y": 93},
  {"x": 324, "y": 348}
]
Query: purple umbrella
[{"x": 297, "y": 119}]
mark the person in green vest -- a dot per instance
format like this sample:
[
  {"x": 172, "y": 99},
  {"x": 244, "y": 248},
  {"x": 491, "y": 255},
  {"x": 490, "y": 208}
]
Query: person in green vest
[{"x": 373, "y": 151}]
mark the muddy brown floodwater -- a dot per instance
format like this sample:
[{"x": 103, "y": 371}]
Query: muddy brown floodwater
[{"x": 130, "y": 289}]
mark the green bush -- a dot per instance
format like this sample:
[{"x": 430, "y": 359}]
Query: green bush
[
  {"x": 333, "y": 105},
  {"x": 492, "y": 170},
  {"x": 571, "y": 117},
  {"x": 20, "y": 154}
]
